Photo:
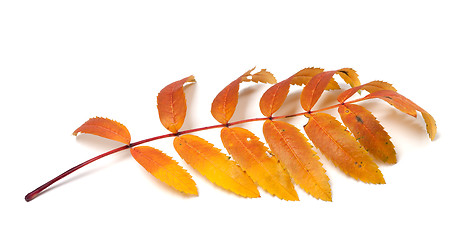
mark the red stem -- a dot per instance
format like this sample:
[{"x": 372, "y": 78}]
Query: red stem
[{"x": 30, "y": 196}]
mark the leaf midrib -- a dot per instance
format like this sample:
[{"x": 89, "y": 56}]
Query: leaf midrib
[
  {"x": 109, "y": 130},
  {"x": 370, "y": 133},
  {"x": 263, "y": 167},
  {"x": 336, "y": 143},
  {"x": 217, "y": 167},
  {"x": 298, "y": 159}
]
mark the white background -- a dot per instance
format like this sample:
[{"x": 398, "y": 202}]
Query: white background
[{"x": 62, "y": 62}]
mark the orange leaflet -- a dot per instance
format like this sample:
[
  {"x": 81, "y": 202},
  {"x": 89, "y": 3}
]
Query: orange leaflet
[
  {"x": 350, "y": 76},
  {"x": 223, "y": 106},
  {"x": 407, "y": 106},
  {"x": 369, "y": 87},
  {"x": 294, "y": 151},
  {"x": 106, "y": 128},
  {"x": 368, "y": 132},
  {"x": 171, "y": 104},
  {"x": 164, "y": 168},
  {"x": 303, "y": 76},
  {"x": 316, "y": 86},
  {"x": 253, "y": 157},
  {"x": 214, "y": 165},
  {"x": 261, "y": 76},
  {"x": 341, "y": 148},
  {"x": 275, "y": 96}
]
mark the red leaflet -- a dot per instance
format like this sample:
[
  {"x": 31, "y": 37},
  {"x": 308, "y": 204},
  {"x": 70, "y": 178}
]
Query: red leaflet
[
  {"x": 171, "y": 104},
  {"x": 106, "y": 128}
]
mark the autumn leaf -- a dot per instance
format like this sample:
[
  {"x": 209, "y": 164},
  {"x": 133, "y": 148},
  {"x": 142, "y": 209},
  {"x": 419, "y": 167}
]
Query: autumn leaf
[
  {"x": 262, "y": 76},
  {"x": 294, "y": 151},
  {"x": 275, "y": 96},
  {"x": 336, "y": 143},
  {"x": 214, "y": 165},
  {"x": 407, "y": 106},
  {"x": 225, "y": 103},
  {"x": 253, "y": 157},
  {"x": 303, "y": 76},
  {"x": 164, "y": 168},
  {"x": 105, "y": 128},
  {"x": 369, "y": 87},
  {"x": 291, "y": 159},
  {"x": 171, "y": 104},
  {"x": 368, "y": 131},
  {"x": 349, "y": 76},
  {"x": 316, "y": 86}
]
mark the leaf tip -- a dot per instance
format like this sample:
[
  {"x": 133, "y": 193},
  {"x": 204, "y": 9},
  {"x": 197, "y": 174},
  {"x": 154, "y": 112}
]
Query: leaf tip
[
  {"x": 378, "y": 178},
  {"x": 327, "y": 198},
  {"x": 190, "y": 78},
  {"x": 350, "y": 76},
  {"x": 291, "y": 199},
  {"x": 192, "y": 192}
]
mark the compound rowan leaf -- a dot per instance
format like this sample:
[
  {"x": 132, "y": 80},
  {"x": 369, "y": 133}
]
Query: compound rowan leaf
[
  {"x": 171, "y": 104},
  {"x": 106, "y": 128},
  {"x": 368, "y": 131},
  {"x": 407, "y": 106},
  {"x": 291, "y": 154},
  {"x": 253, "y": 157},
  {"x": 214, "y": 165},
  {"x": 336, "y": 143},
  {"x": 369, "y": 87},
  {"x": 164, "y": 168},
  {"x": 295, "y": 152},
  {"x": 224, "y": 104}
]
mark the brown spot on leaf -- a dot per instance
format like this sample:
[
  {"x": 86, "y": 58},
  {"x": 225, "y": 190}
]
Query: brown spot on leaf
[{"x": 359, "y": 119}]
